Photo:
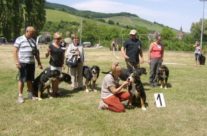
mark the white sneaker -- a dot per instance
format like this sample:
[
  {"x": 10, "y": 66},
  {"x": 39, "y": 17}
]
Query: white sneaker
[
  {"x": 102, "y": 105},
  {"x": 20, "y": 99}
]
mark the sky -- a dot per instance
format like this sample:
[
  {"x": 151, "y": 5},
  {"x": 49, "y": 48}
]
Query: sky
[{"x": 172, "y": 13}]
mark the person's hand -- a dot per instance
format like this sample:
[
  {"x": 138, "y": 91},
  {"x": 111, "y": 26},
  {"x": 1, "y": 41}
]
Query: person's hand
[
  {"x": 40, "y": 66},
  {"x": 142, "y": 61},
  {"x": 126, "y": 57},
  {"x": 125, "y": 83},
  {"x": 46, "y": 55},
  {"x": 149, "y": 61},
  {"x": 18, "y": 65}
]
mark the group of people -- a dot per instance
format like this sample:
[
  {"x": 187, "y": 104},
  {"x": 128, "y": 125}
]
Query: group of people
[
  {"x": 25, "y": 53},
  {"x": 112, "y": 93}
]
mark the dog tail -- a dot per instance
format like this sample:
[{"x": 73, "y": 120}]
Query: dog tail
[{"x": 105, "y": 72}]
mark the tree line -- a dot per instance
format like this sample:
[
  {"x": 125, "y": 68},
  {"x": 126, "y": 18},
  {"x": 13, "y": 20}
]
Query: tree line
[{"x": 15, "y": 15}]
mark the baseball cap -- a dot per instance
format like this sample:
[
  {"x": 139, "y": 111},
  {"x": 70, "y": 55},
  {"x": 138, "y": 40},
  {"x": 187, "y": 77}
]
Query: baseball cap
[{"x": 133, "y": 32}]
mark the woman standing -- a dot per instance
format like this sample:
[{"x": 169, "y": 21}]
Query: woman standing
[
  {"x": 197, "y": 52},
  {"x": 76, "y": 50},
  {"x": 155, "y": 56},
  {"x": 56, "y": 52}
]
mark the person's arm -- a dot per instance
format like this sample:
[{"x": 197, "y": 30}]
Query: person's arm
[
  {"x": 149, "y": 52},
  {"x": 162, "y": 53},
  {"x": 37, "y": 57},
  {"x": 141, "y": 56},
  {"x": 115, "y": 90},
  {"x": 123, "y": 52},
  {"x": 16, "y": 50}
]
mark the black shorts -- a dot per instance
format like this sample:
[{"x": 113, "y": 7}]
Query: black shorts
[
  {"x": 26, "y": 72},
  {"x": 197, "y": 56}
]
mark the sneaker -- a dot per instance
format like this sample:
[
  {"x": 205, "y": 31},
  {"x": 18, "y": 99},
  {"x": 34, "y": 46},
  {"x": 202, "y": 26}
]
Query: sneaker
[
  {"x": 143, "y": 108},
  {"x": 30, "y": 96},
  {"x": 20, "y": 99},
  {"x": 102, "y": 105}
]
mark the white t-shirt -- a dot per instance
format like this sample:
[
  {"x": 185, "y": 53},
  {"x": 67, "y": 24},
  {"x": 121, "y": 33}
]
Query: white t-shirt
[{"x": 25, "y": 50}]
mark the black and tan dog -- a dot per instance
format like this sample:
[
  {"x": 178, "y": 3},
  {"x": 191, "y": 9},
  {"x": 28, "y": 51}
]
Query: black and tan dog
[
  {"x": 91, "y": 75},
  {"x": 136, "y": 89},
  {"x": 43, "y": 82},
  {"x": 162, "y": 76}
]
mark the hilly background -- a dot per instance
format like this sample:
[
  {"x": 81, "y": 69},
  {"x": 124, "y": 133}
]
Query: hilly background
[{"x": 58, "y": 12}]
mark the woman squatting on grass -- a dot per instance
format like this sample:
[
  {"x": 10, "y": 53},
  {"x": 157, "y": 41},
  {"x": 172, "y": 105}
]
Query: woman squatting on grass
[{"x": 112, "y": 93}]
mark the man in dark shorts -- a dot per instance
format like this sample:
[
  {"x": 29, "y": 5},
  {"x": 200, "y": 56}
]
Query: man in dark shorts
[
  {"x": 25, "y": 61},
  {"x": 132, "y": 51}
]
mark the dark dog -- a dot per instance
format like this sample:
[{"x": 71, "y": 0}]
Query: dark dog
[
  {"x": 43, "y": 82},
  {"x": 162, "y": 76},
  {"x": 91, "y": 75},
  {"x": 136, "y": 89}
]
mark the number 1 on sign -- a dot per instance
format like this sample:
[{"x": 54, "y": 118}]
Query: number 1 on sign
[{"x": 159, "y": 100}]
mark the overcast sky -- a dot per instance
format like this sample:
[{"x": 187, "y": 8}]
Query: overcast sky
[{"x": 173, "y": 13}]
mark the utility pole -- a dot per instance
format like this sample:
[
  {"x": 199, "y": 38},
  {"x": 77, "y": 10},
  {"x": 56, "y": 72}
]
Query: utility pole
[{"x": 202, "y": 24}]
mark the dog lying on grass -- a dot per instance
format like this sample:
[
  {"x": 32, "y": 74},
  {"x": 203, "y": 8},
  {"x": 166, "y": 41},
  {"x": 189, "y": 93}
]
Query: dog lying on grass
[
  {"x": 91, "y": 75},
  {"x": 162, "y": 76}
]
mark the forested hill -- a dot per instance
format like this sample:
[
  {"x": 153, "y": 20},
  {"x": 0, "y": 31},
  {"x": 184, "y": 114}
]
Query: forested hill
[{"x": 83, "y": 13}]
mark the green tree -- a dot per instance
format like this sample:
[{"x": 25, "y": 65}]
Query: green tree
[
  {"x": 35, "y": 13},
  {"x": 168, "y": 34}
]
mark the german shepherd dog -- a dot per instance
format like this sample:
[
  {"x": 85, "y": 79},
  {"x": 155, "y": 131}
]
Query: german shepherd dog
[
  {"x": 136, "y": 89},
  {"x": 162, "y": 76},
  {"x": 91, "y": 75},
  {"x": 43, "y": 82}
]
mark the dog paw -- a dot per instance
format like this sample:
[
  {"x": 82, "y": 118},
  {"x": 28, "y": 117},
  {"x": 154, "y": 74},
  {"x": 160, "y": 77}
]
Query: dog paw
[
  {"x": 95, "y": 90},
  {"x": 39, "y": 99},
  {"x": 161, "y": 86},
  {"x": 165, "y": 87},
  {"x": 143, "y": 108},
  {"x": 87, "y": 91}
]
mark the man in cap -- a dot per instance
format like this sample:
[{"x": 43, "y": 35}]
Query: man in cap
[{"x": 132, "y": 51}]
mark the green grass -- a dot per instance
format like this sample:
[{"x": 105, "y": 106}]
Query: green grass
[{"x": 76, "y": 113}]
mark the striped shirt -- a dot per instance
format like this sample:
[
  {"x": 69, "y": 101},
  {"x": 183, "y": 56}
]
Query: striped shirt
[{"x": 25, "y": 51}]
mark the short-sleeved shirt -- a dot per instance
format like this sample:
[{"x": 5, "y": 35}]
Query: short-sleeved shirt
[
  {"x": 108, "y": 81},
  {"x": 197, "y": 50},
  {"x": 25, "y": 51},
  {"x": 57, "y": 56},
  {"x": 133, "y": 49}
]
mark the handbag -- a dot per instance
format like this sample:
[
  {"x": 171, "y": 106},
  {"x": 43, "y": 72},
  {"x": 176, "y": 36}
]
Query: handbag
[{"x": 73, "y": 61}]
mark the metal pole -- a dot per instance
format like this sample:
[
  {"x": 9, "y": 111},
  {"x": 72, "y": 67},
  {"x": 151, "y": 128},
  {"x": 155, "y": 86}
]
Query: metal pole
[{"x": 202, "y": 25}]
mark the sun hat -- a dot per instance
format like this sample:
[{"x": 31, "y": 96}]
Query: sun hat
[{"x": 133, "y": 32}]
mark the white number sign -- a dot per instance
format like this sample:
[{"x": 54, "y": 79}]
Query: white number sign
[{"x": 159, "y": 100}]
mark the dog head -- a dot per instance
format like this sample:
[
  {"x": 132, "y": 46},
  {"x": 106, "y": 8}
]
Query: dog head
[
  {"x": 135, "y": 75},
  {"x": 65, "y": 77},
  {"x": 95, "y": 70},
  {"x": 163, "y": 72}
]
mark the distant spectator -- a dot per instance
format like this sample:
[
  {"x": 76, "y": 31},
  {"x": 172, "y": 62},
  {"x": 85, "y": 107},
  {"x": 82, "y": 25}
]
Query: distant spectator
[{"x": 197, "y": 52}]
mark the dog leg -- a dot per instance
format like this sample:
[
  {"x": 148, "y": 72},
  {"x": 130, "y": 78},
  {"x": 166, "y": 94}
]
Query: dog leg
[
  {"x": 40, "y": 88},
  {"x": 94, "y": 86},
  {"x": 142, "y": 104},
  {"x": 86, "y": 84}
]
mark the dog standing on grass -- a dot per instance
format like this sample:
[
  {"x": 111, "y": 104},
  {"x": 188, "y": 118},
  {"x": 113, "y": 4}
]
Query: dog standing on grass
[
  {"x": 162, "y": 76},
  {"x": 91, "y": 75}
]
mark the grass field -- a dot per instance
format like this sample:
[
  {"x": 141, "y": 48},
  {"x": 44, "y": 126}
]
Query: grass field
[{"x": 76, "y": 113}]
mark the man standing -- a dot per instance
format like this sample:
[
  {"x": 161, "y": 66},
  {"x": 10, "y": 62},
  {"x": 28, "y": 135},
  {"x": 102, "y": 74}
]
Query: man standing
[
  {"x": 132, "y": 51},
  {"x": 25, "y": 52}
]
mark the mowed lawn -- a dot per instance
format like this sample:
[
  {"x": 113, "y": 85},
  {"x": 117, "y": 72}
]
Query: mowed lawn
[{"x": 76, "y": 112}]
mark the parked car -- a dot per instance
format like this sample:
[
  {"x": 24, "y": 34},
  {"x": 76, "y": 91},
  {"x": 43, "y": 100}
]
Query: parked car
[
  {"x": 87, "y": 44},
  {"x": 3, "y": 40}
]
